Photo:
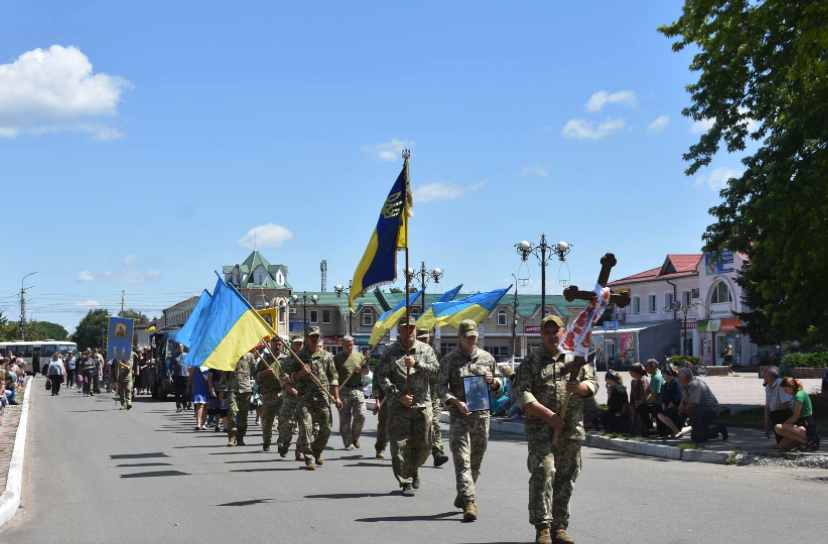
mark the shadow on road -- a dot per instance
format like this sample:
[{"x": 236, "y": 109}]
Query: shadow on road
[
  {"x": 137, "y": 465},
  {"x": 295, "y": 467},
  {"x": 435, "y": 517},
  {"x": 249, "y": 503},
  {"x": 156, "y": 474},
  {"x": 138, "y": 455},
  {"x": 337, "y": 496}
]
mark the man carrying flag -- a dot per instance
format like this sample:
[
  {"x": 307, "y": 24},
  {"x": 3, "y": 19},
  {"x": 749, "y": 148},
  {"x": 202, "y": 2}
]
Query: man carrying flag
[
  {"x": 235, "y": 386},
  {"x": 409, "y": 412},
  {"x": 270, "y": 375}
]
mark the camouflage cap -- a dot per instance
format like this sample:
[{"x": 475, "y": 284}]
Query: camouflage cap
[
  {"x": 313, "y": 329},
  {"x": 422, "y": 333},
  {"x": 296, "y": 338},
  {"x": 468, "y": 327},
  {"x": 553, "y": 319},
  {"x": 407, "y": 322}
]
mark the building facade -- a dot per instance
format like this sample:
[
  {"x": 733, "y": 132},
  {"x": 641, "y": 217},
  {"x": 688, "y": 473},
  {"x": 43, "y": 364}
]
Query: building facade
[{"x": 264, "y": 285}]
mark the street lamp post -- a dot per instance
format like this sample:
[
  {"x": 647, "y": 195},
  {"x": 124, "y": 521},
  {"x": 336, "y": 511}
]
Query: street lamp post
[
  {"x": 305, "y": 298},
  {"x": 423, "y": 276},
  {"x": 515, "y": 320},
  {"x": 684, "y": 310},
  {"x": 23, "y": 306},
  {"x": 544, "y": 253},
  {"x": 342, "y": 289}
]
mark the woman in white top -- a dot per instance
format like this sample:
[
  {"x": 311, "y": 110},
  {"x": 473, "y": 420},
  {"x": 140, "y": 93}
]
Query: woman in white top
[{"x": 56, "y": 373}]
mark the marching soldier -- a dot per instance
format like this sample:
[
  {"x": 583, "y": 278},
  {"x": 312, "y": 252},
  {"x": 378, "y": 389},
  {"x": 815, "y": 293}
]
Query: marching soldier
[
  {"x": 290, "y": 409},
  {"x": 270, "y": 375},
  {"x": 409, "y": 414},
  {"x": 350, "y": 364},
  {"x": 440, "y": 458},
  {"x": 539, "y": 390},
  {"x": 125, "y": 381},
  {"x": 381, "y": 411},
  {"x": 235, "y": 385},
  {"x": 469, "y": 431},
  {"x": 313, "y": 400}
]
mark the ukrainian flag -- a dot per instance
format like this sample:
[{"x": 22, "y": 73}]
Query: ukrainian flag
[
  {"x": 390, "y": 318},
  {"x": 185, "y": 335},
  {"x": 378, "y": 265},
  {"x": 475, "y": 307},
  {"x": 227, "y": 328},
  {"x": 427, "y": 320}
]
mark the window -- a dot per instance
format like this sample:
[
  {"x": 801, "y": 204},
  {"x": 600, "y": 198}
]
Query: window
[
  {"x": 260, "y": 277},
  {"x": 326, "y": 316},
  {"x": 651, "y": 303},
  {"x": 446, "y": 347},
  {"x": 259, "y": 304},
  {"x": 415, "y": 313},
  {"x": 280, "y": 279},
  {"x": 547, "y": 312},
  {"x": 668, "y": 300},
  {"x": 314, "y": 316},
  {"x": 498, "y": 351},
  {"x": 367, "y": 318},
  {"x": 501, "y": 318},
  {"x": 45, "y": 351},
  {"x": 685, "y": 298},
  {"x": 636, "y": 305},
  {"x": 721, "y": 293}
]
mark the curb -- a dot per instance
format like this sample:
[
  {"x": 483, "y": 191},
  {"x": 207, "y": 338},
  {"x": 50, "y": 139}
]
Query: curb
[{"x": 10, "y": 499}]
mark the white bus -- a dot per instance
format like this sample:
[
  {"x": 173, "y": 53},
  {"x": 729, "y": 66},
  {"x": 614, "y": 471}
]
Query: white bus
[{"x": 44, "y": 349}]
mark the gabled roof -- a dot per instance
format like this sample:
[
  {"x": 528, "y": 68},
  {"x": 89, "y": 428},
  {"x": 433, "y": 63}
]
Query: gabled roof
[
  {"x": 250, "y": 264},
  {"x": 676, "y": 265}
]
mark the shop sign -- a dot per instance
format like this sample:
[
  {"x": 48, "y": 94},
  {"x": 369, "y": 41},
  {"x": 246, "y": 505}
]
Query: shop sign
[
  {"x": 531, "y": 329},
  {"x": 731, "y": 324},
  {"x": 331, "y": 340},
  {"x": 690, "y": 324},
  {"x": 610, "y": 325},
  {"x": 708, "y": 325},
  {"x": 720, "y": 266},
  {"x": 361, "y": 340}
]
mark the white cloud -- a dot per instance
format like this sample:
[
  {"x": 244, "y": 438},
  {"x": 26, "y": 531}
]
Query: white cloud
[
  {"x": 269, "y": 235},
  {"x": 582, "y": 129},
  {"x": 432, "y": 192},
  {"x": 55, "y": 90},
  {"x": 659, "y": 125},
  {"x": 537, "y": 169},
  {"x": 130, "y": 259},
  {"x": 154, "y": 274},
  {"x": 85, "y": 275},
  {"x": 717, "y": 179},
  {"x": 601, "y": 98},
  {"x": 130, "y": 276},
  {"x": 699, "y": 127},
  {"x": 388, "y": 151},
  {"x": 89, "y": 303}
]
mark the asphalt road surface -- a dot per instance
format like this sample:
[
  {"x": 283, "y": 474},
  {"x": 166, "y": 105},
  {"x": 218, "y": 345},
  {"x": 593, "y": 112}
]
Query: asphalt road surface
[{"x": 97, "y": 474}]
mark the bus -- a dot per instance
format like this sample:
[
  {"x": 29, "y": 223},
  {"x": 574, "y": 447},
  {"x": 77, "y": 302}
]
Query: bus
[{"x": 44, "y": 349}]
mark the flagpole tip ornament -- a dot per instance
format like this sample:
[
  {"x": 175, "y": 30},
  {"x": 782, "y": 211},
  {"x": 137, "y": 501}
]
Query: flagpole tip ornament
[{"x": 406, "y": 154}]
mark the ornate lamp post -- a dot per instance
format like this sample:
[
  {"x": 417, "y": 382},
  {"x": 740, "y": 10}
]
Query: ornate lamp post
[
  {"x": 422, "y": 277},
  {"x": 544, "y": 253},
  {"x": 339, "y": 290},
  {"x": 305, "y": 298}
]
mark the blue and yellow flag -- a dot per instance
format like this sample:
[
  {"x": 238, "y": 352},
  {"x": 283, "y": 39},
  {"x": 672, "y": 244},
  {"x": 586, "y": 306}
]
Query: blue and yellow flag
[
  {"x": 378, "y": 265},
  {"x": 227, "y": 328},
  {"x": 185, "y": 334},
  {"x": 475, "y": 307},
  {"x": 427, "y": 320},
  {"x": 390, "y": 318}
]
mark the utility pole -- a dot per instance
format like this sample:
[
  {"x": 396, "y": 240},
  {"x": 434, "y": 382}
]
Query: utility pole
[
  {"x": 123, "y": 293},
  {"x": 23, "y": 305}
]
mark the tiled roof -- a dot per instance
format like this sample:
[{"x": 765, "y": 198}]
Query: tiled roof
[
  {"x": 676, "y": 265},
  {"x": 251, "y": 263}
]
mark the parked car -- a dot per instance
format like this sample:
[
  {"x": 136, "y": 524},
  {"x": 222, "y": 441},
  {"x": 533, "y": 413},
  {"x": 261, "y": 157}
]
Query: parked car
[{"x": 162, "y": 343}]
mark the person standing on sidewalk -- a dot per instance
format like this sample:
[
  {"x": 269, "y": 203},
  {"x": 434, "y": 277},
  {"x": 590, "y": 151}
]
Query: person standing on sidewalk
[
  {"x": 179, "y": 374},
  {"x": 89, "y": 371},
  {"x": 352, "y": 414},
  {"x": 540, "y": 388},
  {"x": 71, "y": 362},
  {"x": 56, "y": 373},
  {"x": 468, "y": 431}
]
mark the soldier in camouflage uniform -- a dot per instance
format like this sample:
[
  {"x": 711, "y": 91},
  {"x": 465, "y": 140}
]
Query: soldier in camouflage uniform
[
  {"x": 270, "y": 376},
  {"x": 124, "y": 370},
  {"x": 290, "y": 409},
  {"x": 313, "y": 401},
  {"x": 381, "y": 411},
  {"x": 440, "y": 458},
  {"x": 352, "y": 413},
  {"x": 235, "y": 385},
  {"x": 469, "y": 431},
  {"x": 409, "y": 415},
  {"x": 539, "y": 391}
]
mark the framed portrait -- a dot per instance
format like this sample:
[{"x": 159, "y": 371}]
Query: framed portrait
[
  {"x": 477, "y": 393},
  {"x": 269, "y": 315}
]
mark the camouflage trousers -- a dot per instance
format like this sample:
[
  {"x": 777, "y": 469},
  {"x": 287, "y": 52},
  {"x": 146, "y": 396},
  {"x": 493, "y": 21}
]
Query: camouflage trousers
[
  {"x": 287, "y": 417},
  {"x": 237, "y": 404},
  {"x": 125, "y": 392},
  {"x": 351, "y": 415},
  {"x": 382, "y": 428},
  {"x": 409, "y": 430},
  {"x": 313, "y": 410},
  {"x": 554, "y": 470},
  {"x": 272, "y": 402},
  {"x": 468, "y": 438},
  {"x": 436, "y": 429}
]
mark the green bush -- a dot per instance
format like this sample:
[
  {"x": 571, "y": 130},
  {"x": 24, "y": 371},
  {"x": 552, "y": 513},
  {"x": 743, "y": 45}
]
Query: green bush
[
  {"x": 810, "y": 360},
  {"x": 678, "y": 360}
]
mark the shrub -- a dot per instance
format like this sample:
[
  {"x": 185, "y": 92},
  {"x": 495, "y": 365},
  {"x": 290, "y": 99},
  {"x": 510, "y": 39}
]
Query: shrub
[
  {"x": 810, "y": 360},
  {"x": 678, "y": 360}
]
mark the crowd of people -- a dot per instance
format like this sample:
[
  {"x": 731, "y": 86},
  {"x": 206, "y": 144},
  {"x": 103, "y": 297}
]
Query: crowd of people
[{"x": 12, "y": 377}]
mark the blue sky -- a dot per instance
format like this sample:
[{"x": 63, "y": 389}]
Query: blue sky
[{"x": 140, "y": 158}]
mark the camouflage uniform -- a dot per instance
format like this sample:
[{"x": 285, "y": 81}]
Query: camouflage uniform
[
  {"x": 382, "y": 414},
  {"x": 287, "y": 417},
  {"x": 352, "y": 397},
  {"x": 553, "y": 468},
  {"x": 271, "y": 390},
  {"x": 237, "y": 385},
  {"x": 125, "y": 383},
  {"x": 468, "y": 435},
  {"x": 313, "y": 402},
  {"x": 408, "y": 428}
]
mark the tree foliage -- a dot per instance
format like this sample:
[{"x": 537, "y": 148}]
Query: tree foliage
[
  {"x": 92, "y": 329},
  {"x": 763, "y": 74},
  {"x": 46, "y": 329},
  {"x": 136, "y": 315},
  {"x": 396, "y": 290}
]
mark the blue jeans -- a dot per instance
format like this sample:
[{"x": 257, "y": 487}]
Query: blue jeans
[
  {"x": 11, "y": 395},
  {"x": 515, "y": 412},
  {"x": 700, "y": 419}
]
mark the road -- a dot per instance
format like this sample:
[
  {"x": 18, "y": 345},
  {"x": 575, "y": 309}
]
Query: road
[{"x": 96, "y": 474}]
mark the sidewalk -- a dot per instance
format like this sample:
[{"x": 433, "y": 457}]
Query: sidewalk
[{"x": 8, "y": 432}]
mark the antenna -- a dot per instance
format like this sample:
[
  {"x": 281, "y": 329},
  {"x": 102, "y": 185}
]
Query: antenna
[{"x": 323, "y": 267}]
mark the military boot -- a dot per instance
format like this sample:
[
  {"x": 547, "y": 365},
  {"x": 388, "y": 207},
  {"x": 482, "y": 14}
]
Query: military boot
[
  {"x": 559, "y": 536},
  {"x": 542, "y": 535},
  {"x": 440, "y": 460},
  {"x": 470, "y": 510},
  {"x": 381, "y": 454},
  {"x": 320, "y": 461},
  {"x": 266, "y": 446},
  {"x": 459, "y": 502},
  {"x": 231, "y": 442},
  {"x": 310, "y": 466},
  {"x": 283, "y": 451},
  {"x": 407, "y": 491},
  {"x": 300, "y": 456},
  {"x": 416, "y": 482},
  {"x": 240, "y": 442},
  {"x": 356, "y": 443}
]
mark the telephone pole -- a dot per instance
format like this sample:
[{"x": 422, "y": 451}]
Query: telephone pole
[
  {"x": 123, "y": 293},
  {"x": 23, "y": 305}
]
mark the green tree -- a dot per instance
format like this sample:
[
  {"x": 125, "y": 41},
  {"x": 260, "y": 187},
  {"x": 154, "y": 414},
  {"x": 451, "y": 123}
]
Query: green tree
[
  {"x": 45, "y": 330},
  {"x": 92, "y": 329},
  {"x": 396, "y": 290},
  {"x": 763, "y": 74}
]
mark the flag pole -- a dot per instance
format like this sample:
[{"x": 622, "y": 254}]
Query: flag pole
[{"x": 406, "y": 154}]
